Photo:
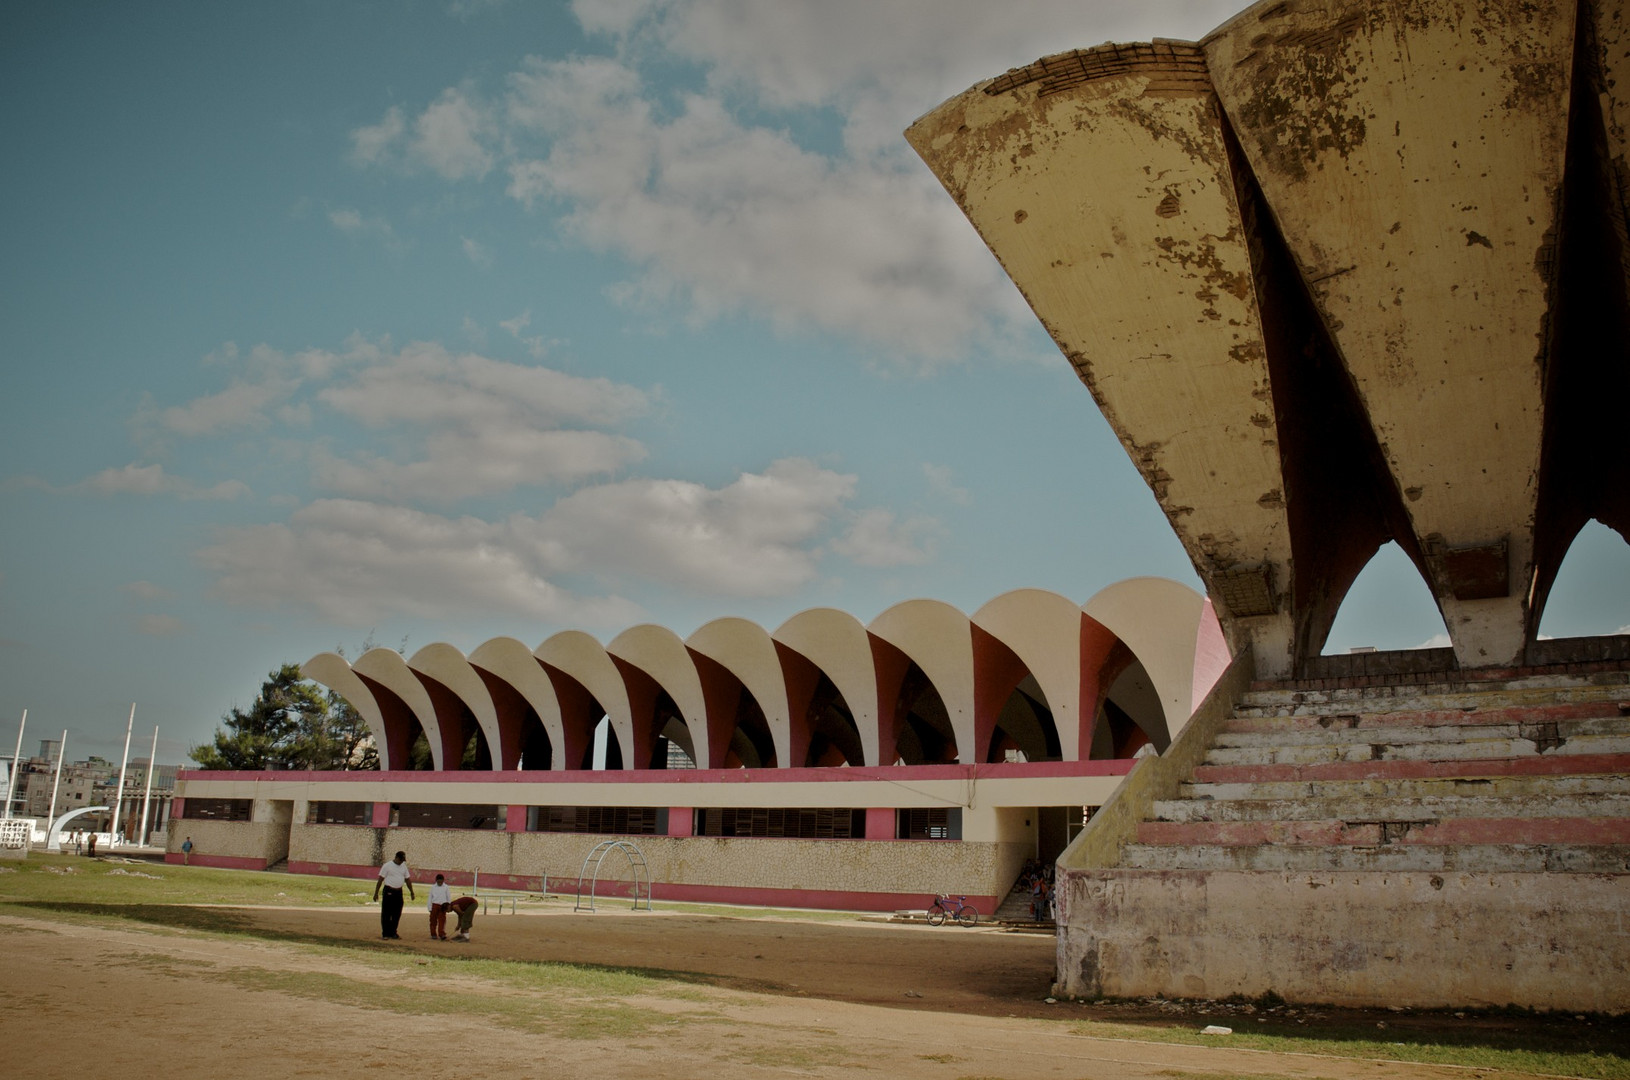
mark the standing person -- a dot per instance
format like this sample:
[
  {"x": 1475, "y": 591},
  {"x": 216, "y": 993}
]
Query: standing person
[
  {"x": 393, "y": 876},
  {"x": 441, "y": 898},
  {"x": 465, "y": 907},
  {"x": 90, "y": 845},
  {"x": 186, "y": 852},
  {"x": 79, "y": 842}
]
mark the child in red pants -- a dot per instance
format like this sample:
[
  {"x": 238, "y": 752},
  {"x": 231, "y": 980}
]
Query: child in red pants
[{"x": 440, "y": 899}]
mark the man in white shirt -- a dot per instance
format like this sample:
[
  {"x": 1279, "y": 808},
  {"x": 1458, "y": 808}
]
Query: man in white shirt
[
  {"x": 441, "y": 896},
  {"x": 393, "y": 876}
]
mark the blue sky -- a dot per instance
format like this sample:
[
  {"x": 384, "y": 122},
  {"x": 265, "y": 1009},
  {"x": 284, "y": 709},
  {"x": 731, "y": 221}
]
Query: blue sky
[{"x": 417, "y": 321}]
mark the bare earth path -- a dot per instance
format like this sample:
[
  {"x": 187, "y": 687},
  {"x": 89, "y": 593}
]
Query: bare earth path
[{"x": 83, "y": 998}]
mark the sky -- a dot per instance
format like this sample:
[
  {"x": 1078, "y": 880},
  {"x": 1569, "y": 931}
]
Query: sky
[{"x": 328, "y": 324}]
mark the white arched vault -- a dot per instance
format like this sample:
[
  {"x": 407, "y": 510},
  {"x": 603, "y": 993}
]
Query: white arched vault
[
  {"x": 447, "y": 666},
  {"x": 387, "y": 668},
  {"x": 938, "y": 639},
  {"x": 836, "y": 643},
  {"x": 1158, "y": 620},
  {"x": 1044, "y": 630},
  {"x": 743, "y": 648},
  {"x": 661, "y": 654},
  {"x": 583, "y": 658},
  {"x": 511, "y": 662},
  {"x": 334, "y": 671}
]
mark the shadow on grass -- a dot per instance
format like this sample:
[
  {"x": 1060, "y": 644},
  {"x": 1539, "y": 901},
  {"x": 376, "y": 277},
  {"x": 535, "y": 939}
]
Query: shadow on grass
[{"x": 232, "y": 921}]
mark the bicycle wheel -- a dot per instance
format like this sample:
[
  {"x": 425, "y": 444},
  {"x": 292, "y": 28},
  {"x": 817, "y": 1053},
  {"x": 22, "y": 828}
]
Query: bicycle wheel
[
  {"x": 967, "y": 915},
  {"x": 936, "y": 914}
]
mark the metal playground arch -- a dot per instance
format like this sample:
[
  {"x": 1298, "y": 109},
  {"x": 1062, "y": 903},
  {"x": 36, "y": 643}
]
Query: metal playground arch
[{"x": 637, "y": 869}]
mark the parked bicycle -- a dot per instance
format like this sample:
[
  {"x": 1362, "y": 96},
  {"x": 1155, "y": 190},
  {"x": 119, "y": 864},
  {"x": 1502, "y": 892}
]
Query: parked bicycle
[{"x": 952, "y": 907}]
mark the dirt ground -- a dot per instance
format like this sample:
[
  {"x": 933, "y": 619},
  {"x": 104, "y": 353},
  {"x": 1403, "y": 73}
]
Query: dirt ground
[{"x": 761, "y": 997}]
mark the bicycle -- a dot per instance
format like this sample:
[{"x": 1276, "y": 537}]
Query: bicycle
[{"x": 952, "y": 907}]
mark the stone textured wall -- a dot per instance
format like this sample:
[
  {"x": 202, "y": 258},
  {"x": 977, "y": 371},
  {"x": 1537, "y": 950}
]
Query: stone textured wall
[
  {"x": 231, "y": 839},
  {"x": 1420, "y": 940},
  {"x": 853, "y": 866}
]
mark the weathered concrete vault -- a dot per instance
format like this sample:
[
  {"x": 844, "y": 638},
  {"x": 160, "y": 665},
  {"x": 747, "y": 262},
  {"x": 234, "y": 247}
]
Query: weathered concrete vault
[{"x": 1340, "y": 274}]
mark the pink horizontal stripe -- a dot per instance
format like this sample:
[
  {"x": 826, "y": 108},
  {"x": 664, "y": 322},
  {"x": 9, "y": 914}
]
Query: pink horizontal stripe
[
  {"x": 1551, "y": 765},
  {"x": 1025, "y": 770},
  {"x": 1515, "y": 714},
  {"x": 1600, "y": 831}
]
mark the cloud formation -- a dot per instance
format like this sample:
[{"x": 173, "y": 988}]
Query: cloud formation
[
  {"x": 136, "y": 479},
  {"x": 359, "y": 562}
]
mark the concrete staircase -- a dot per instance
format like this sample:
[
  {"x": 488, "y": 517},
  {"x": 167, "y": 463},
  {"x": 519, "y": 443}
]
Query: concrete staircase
[
  {"x": 1427, "y": 841},
  {"x": 1503, "y": 777}
]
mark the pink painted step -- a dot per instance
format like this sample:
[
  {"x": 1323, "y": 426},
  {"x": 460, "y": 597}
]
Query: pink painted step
[
  {"x": 1558, "y": 765},
  {"x": 1571, "y": 830},
  {"x": 1514, "y": 714}
]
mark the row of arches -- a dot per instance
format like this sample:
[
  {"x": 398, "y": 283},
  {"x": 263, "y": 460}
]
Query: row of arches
[{"x": 1030, "y": 676}]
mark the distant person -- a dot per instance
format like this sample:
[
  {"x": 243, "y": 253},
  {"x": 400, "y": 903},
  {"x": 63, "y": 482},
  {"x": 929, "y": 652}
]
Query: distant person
[
  {"x": 90, "y": 845},
  {"x": 186, "y": 852},
  {"x": 464, "y": 907},
  {"x": 441, "y": 898},
  {"x": 79, "y": 842},
  {"x": 393, "y": 876}
]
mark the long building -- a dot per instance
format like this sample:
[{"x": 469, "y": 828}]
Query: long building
[{"x": 825, "y": 764}]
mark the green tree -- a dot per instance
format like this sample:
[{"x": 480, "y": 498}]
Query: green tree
[{"x": 291, "y": 724}]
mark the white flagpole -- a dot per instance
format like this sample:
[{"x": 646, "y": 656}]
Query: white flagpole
[
  {"x": 118, "y": 802},
  {"x": 16, "y": 756},
  {"x": 147, "y": 796},
  {"x": 51, "y": 811}
]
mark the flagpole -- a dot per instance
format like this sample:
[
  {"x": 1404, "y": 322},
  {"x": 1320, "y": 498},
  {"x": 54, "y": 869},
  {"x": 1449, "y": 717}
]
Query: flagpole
[
  {"x": 51, "y": 811},
  {"x": 118, "y": 802},
  {"x": 147, "y": 796},
  {"x": 16, "y": 756}
]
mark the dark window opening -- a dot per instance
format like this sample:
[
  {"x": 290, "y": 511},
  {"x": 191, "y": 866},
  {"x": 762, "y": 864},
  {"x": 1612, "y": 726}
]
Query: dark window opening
[{"x": 808, "y": 824}]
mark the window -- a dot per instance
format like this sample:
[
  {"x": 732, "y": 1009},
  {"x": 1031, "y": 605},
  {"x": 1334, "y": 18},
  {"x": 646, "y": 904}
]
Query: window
[
  {"x": 627, "y": 820},
  {"x": 217, "y": 809},
  {"x": 339, "y": 813},
  {"x": 446, "y": 816},
  {"x": 939, "y": 823},
  {"x": 812, "y": 824}
]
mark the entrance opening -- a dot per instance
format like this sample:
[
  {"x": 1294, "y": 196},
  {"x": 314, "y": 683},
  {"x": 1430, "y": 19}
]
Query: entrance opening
[
  {"x": 1388, "y": 608},
  {"x": 1591, "y": 594}
]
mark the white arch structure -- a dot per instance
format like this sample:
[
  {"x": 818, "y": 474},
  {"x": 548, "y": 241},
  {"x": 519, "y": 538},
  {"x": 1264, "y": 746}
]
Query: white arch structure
[{"x": 973, "y": 663}]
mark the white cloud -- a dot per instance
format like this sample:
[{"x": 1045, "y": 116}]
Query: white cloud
[
  {"x": 241, "y": 406},
  {"x": 358, "y": 562},
  {"x": 477, "y": 252},
  {"x": 753, "y": 537},
  {"x": 732, "y": 218},
  {"x": 449, "y": 136},
  {"x": 877, "y": 539},
  {"x": 486, "y": 461},
  {"x": 136, "y": 479},
  {"x": 355, "y": 224},
  {"x": 942, "y": 482},
  {"x": 374, "y": 144}
]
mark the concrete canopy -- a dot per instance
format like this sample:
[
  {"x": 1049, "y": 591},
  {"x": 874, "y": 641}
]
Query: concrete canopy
[
  {"x": 938, "y": 639},
  {"x": 444, "y": 670},
  {"x": 743, "y": 649},
  {"x": 334, "y": 671},
  {"x": 385, "y": 668},
  {"x": 583, "y": 661},
  {"x": 840, "y": 647},
  {"x": 506, "y": 661},
  {"x": 660, "y": 655},
  {"x": 1340, "y": 275},
  {"x": 1159, "y": 620},
  {"x": 1044, "y": 630}
]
